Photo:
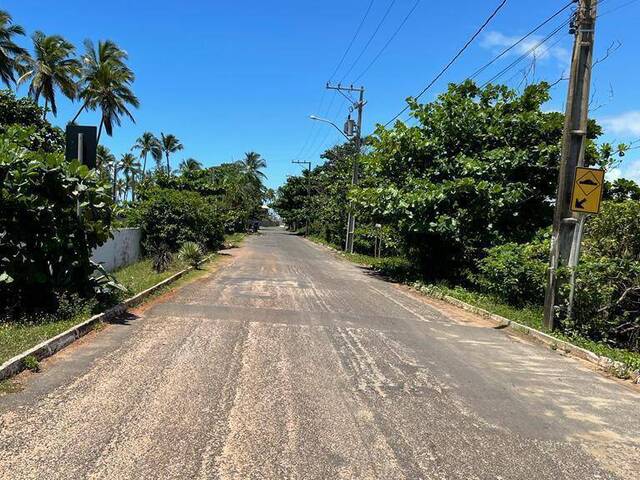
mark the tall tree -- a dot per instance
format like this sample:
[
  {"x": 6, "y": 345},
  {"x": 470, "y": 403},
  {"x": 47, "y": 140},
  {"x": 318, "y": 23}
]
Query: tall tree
[
  {"x": 131, "y": 169},
  {"x": 170, "y": 144},
  {"x": 106, "y": 84},
  {"x": 252, "y": 164},
  {"x": 52, "y": 67},
  {"x": 147, "y": 144},
  {"x": 120, "y": 189},
  {"x": 190, "y": 165},
  {"x": 10, "y": 53},
  {"x": 105, "y": 161}
]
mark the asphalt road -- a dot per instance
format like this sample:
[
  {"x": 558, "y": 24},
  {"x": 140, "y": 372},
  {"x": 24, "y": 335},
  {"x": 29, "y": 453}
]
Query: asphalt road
[{"x": 291, "y": 363}]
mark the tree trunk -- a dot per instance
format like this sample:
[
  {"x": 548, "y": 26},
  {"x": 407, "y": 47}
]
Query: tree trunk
[
  {"x": 84, "y": 105},
  {"x": 168, "y": 166},
  {"x": 144, "y": 164},
  {"x": 46, "y": 104},
  {"x": 99, "y": 131}
]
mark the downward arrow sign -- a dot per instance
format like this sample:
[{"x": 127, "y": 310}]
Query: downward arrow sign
[{"x": 580, "y": 203}]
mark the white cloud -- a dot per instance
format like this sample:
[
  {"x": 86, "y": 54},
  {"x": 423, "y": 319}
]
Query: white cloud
[
  {"x": 630, "y": 169},
  {"x": 497, "y": 42},
  {"x": 613, "y": 174},
  {"x": 627, "y": 123}
]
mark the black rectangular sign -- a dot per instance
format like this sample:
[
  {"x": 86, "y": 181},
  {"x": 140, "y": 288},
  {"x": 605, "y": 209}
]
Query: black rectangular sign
[{"x": 89, "y": 144}]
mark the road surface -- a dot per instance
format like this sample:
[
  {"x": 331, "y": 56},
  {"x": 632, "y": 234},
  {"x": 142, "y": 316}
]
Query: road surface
[{"x": 292, "y": 363}]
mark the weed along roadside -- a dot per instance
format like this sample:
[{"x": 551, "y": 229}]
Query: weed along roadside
[
  {"x": 24, "y": 346},
  {"x": 617, "y": 362}
]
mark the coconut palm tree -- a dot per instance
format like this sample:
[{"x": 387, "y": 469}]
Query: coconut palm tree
[
  {"x": 252, "y": 164},
  {"x": 121, "y": 189},
  {"x": 10, "y": 53},
  {"x": 170, "y": 144},
  {"x": 148, "y": 143},
  {"x": 52, "y": 67},
  {"x": 190, "y": 165},
  {"x": 106, "y": 84},
  {"x": 131, "y": 169},
  {"x": 105, "y": 161}
]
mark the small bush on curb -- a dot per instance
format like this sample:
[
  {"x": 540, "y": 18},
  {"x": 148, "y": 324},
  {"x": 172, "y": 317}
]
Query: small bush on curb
[
  {"x": 31, "y": 363},
  {"x": 162, "y": 259},
  {"x": 191, "y": 253}
]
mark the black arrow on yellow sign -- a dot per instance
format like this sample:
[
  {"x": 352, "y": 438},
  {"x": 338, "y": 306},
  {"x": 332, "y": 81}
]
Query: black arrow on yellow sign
[{"x": 580, "y": 204}]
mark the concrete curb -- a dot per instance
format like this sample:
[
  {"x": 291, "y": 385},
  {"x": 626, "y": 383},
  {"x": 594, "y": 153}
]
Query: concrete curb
[
  {"x": 15, "y": 365},
  {"x": 604, "y": 363}
]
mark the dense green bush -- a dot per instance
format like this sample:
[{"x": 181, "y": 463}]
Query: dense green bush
[
  {"x": 173, "y": 217},
  {"x": 45, "y": 247},
  {"x": 26, "y": 113},
  {"x": 516, "y": 272},
  {"x": 607, "y": 293}
]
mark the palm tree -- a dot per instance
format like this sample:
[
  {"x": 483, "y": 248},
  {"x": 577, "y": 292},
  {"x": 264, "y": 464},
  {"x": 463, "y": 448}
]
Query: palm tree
[
  {"x": 104, "y": 161},
  {"x": 106, "y": 84},
  {"x": 120, "y": 187},
  {"x": 170, "y": 144},
  {"x": 147, "y": 143},
  {"x": 51, "y": 68},
  {"x": 252, "y": 164},
  {"x": 190, "y": 165},
  {"x": 130, "y": 168},
  {"x": 10, "y": 53}
]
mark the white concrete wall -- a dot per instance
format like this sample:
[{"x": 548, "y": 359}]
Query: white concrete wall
[{"x": 121, "y": 250}]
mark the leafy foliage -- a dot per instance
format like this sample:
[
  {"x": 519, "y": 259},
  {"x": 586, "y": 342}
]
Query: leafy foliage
[
  {"x": 173, "y": 217},
  {"x": 607, "y": 294},
  {"x": 25, "y": 112},
  {"x": 45, "y": 246}
]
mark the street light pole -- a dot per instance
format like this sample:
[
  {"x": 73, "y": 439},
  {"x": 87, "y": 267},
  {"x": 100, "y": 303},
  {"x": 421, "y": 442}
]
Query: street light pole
[
  {"x": 359, "y": 105},
  {"x": 308, "y": 164}
]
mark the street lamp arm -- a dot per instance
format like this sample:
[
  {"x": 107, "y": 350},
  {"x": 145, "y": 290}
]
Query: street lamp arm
[{"x": 324, "y": 120}]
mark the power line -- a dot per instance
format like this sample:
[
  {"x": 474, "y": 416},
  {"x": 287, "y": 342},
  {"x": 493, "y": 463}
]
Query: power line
[
  {"x": 453, "y": 60},
  {"x": 353, "y": 39},
  {"x": 526, "y": 54},
  {"x": 373, "y": 35},
  {"x": 415, "y": 5},
  {"x": 522, "y": 39}
]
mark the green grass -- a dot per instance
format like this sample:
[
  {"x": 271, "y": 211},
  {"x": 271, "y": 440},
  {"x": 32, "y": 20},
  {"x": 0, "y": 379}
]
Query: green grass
[
  {"x": 234, "y": 240},
  {"x": 139, "y": 276},
  {"x": 529, "y": 316}
]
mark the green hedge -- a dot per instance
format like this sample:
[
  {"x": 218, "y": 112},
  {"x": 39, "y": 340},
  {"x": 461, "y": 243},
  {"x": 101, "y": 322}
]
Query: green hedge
[{"x": 173, "y": 217}]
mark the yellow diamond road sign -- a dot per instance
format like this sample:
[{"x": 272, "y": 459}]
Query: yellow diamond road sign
[{"x": 587, "y": 190}]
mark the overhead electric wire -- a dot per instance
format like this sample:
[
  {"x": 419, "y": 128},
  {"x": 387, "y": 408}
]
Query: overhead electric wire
[
  {"x": 522, "y": 39},
  {"x": 453, "y": 60},
  {"x": 353, "y": 39},
  {"x": 373, "y": 35},
  {"x": 393, "y": 36},
  {"x": 526, "y": 53}
]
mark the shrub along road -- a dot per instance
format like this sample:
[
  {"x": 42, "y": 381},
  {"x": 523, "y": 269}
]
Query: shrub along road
[{"x": 290, "y": 363}]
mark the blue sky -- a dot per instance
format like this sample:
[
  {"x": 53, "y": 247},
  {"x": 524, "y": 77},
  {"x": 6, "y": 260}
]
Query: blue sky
[{"x": 229, "y": 77}]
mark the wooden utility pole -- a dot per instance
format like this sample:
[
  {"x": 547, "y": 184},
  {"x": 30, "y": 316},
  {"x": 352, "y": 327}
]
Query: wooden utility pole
[{"x": 574, "y": 140}]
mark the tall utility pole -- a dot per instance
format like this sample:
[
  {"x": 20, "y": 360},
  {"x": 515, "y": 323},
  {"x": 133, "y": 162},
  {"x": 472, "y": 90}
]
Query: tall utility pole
[
  {"x": 308, "y": 164},
  {"x": 359, "y": 105},
  {"x": 574, "y": 139}
]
